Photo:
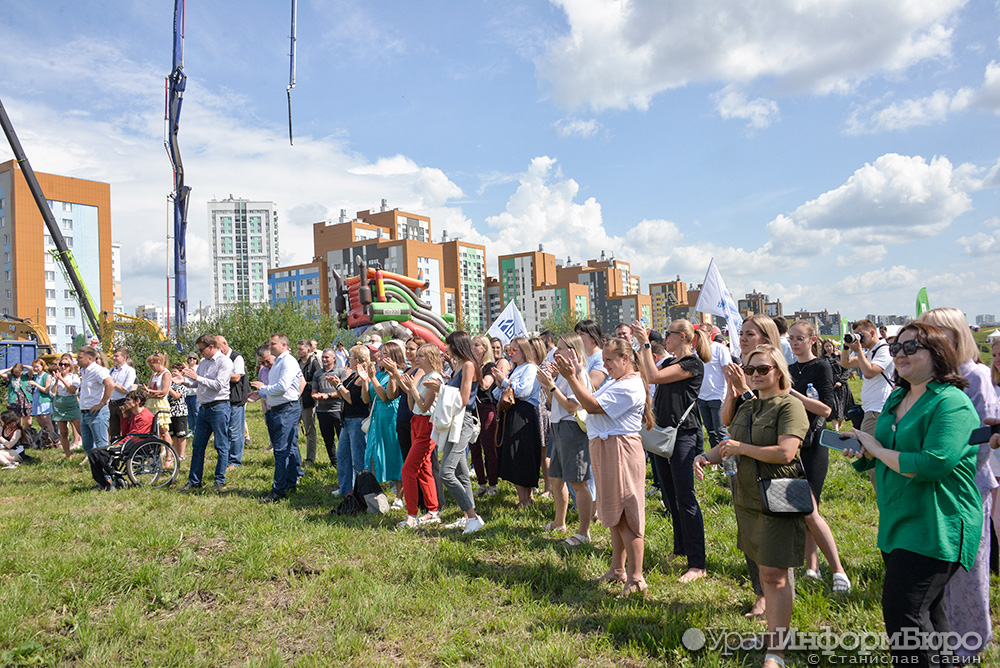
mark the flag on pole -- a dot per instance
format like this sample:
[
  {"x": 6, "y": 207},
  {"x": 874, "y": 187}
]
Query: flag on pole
[
  {"x": 845, "y": 327},
  {"x": 715, "y": 299},
  {"x": 508, "y": 325},
  {"x": 923, "y": 306}
]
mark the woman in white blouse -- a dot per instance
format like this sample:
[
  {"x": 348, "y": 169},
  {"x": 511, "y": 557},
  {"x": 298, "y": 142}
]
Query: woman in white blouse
[
  {"x": 615, "y": 414},
  {"x": 519, "y": 458}
]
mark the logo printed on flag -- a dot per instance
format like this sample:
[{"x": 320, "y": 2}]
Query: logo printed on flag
[{"x": 509, "y": 325}]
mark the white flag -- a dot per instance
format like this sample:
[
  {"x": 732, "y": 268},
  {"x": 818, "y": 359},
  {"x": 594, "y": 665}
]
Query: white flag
[
  {"x": 509, "y": 325},
  {"x": 716, "y": 300}
]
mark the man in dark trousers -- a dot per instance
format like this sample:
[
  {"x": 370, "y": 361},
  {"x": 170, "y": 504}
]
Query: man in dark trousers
[
  {"x": 239, "y": 390},
  {"x": 310, "y": 366}
]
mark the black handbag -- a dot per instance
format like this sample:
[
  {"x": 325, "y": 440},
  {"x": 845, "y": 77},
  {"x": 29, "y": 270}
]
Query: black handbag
[{"x": 783, "y": 497}]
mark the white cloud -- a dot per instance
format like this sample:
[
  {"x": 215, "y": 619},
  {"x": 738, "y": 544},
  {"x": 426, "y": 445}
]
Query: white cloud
[
  {"x": 879, "y": 280},
  {"x": 575, "y": 127},
  {"x": 862, "y": 255},
  {"x": 621, "y": 54},
  {"x": 759, "y": 113}
]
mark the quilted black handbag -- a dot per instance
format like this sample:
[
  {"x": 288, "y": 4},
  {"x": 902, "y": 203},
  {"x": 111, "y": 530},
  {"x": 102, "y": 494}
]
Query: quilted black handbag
[{"x": 783, "y": 497}]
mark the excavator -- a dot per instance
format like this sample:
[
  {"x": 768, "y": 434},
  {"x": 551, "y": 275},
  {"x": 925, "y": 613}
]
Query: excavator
[{"x": 23, "y": 329}]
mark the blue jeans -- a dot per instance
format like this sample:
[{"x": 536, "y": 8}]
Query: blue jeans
[
  {"x": 350, "y": 453},
  {"x": 192, "y": 405},
  {"x": 236, "y": 434},
  {"x": 94, "y": 429},
  {"x": 283, "y": 429},
  {"x": 212, "y": 420},
  {"x": 711, "y": 416}
]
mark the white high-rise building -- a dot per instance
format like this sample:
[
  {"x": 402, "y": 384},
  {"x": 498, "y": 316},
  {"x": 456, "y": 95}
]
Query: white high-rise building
[{"x": 244, "y": 247}]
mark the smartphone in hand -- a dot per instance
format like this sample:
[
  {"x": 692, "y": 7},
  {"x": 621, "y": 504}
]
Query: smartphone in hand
[{"x": 837, "y": 441}]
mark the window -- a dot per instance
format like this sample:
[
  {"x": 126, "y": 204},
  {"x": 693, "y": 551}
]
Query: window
[
  {"x": 69, "y": 242},
  {"x": 254, "y": 227},
  {"x": 70, "y": 312},
  {"x": 6, "y": 275},
  {"x": 48, "y": 240},
  {"x": 8, "y": 294},
  {"x": 66, "y": 206},
  {"x": 227, "y": 272},
  {"x": 256, "y": 245},
  {"x": 226, "y": 225},
  {"x": 52, "y": 330},
  {"x": 227, "y": 245},
  {"x": 67, "y": 223},
  {"x": 67, "y": 294},
  {"x": 71, "y": 330},
  {"x": 50, "y": 276},
  {"x": 50, "y": 311},
  {"x": 50, "y": 294}
]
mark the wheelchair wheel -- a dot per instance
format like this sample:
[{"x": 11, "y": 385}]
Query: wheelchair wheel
[{"x": 152, "y": 464}]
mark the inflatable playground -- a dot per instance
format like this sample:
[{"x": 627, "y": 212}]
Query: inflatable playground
[{"x": 380, "y": 302}]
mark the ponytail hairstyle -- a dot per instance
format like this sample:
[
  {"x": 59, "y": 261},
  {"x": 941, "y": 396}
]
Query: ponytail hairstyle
[
  {"x": 460, "y": 345},
  {"x": 696, "y": 337},
  {"x": 622, "y": 348},
  {"x": 816, "y": 346}
]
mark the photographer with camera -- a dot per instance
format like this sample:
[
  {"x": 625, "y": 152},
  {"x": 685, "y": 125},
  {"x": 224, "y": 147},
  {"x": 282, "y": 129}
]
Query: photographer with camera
[{"x": 865, "y": 351}]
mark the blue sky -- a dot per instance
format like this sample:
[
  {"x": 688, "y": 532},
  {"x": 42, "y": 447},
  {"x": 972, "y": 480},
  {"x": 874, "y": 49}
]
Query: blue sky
[{"x": 835, "y": 154}]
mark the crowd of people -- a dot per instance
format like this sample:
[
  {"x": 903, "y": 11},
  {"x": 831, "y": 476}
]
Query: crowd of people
[{"x": 571, "y": 416}]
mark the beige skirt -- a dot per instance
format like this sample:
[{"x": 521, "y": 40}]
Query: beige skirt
[{"x": 620, "y": 476}]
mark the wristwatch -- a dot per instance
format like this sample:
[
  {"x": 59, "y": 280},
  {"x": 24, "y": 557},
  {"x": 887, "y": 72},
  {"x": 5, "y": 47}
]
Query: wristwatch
[
  {"x": 647, "y": 345},
  {"x": 553, "y": 389},
  {"x": 747, "y": 396}
]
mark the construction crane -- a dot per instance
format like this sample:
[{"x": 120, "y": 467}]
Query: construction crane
[{"x": 62, "y": 253}]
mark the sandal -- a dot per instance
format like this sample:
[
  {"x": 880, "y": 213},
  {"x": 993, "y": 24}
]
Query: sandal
[
  {"x": 814, "y": 575},
  {"x": 410, "y": 522},
  {"x": 431, "y": 517},
  {"x": 552, "y": 528},
  {"x": 577, "y": 539},
  {"x": 841, "y": 585},
  {"x": 612, "y": 576}
]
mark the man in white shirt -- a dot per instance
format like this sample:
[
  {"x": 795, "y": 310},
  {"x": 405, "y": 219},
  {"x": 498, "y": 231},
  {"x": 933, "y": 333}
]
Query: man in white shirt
[
  {"x": 876, "y": 367},
  {"x": 786, "y": 347},
  {"x": 96, "y": 387},
  {"x": 239, "y": 390},
  {"x": 713, "y": 391},
  {"x": 211, "y": 380},
  {"x": 123, "y": 376},
  {"x": 282, "y": 418}
]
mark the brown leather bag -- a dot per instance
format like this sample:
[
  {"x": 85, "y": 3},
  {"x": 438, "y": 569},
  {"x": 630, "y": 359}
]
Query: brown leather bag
[{"x": 506, "y": 399}]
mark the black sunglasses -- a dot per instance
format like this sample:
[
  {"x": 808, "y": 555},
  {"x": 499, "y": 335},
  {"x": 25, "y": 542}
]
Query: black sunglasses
[
  {"x": 762, "y": 369},
  {"x": 907, "y": 347}
]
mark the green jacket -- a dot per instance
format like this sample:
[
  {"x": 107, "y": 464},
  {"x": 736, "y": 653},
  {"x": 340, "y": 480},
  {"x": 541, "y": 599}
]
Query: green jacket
[{"x": 937, "y": 513}]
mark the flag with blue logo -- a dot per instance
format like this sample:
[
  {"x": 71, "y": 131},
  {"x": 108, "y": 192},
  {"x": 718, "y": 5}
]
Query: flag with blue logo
[
  {"x": 509, "y": 325},
  {"x": 716, "y": 300}
]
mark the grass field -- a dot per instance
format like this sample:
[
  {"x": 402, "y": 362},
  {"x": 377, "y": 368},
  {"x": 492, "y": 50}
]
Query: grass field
[{"x": 157, "y": 578}]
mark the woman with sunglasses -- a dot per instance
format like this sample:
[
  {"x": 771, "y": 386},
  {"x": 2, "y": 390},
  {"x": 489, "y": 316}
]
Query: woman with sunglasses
[
  {"x": 675, "y": 404},
  {"x": 930, "y": 510},
  {"x": 520, "y": 448},
  {"x": 65, "y": 402},
  {"x": 616, "y": 412},
  {"x": 811, "y": 371},
  {"x": 765, "y": 436},
  {"x": 967, "y": 596}
]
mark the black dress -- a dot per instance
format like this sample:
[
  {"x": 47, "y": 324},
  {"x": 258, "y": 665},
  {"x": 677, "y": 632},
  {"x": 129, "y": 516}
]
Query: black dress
[
  {"x": 519, "y": 447},
  {"x": 842, "y": 398}
]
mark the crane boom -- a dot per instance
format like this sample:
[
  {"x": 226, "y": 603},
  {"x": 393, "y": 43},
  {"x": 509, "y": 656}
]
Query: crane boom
[
  {"x": 62, "y": 253},
  {"x": 176, "y": 83}
]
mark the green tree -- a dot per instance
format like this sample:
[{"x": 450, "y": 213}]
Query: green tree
[{"x": 561, "y": 322}]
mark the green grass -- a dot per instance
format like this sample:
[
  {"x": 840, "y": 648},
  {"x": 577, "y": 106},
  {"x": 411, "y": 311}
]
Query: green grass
[{"x": 157, "y": 578}]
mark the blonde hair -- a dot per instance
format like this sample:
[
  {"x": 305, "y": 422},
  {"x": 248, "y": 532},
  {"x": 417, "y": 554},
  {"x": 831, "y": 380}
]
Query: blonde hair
[
  {"x": 433, "y": 355},
  {"x": 485, "y": 341},
  {"x": 361, "y": 353},
  {"x": 696, "y": 338},
  {"x": 528, "y": 350},
  {"x": 953, "y": 321},
  {"x": 778, "y": 358},
  {"x": 765, "y": 326},
  {"x": 157, "y": 357},
  {"x": 574, "y": 342},
  {"x": 817, "y": 346},
  {"x": 538, "y": 346}
]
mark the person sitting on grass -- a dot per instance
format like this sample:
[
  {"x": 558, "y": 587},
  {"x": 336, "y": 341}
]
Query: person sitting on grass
[
  {"x": 136, "y": 420},
  {"x": 11, "y": 445}
]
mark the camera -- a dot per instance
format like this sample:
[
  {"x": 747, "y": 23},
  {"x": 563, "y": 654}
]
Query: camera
[{"x": 851, "y": 337}]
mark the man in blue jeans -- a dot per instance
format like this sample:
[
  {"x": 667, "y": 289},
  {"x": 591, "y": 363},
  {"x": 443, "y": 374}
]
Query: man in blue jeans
[
  {"x": 211, "y": 381},
  {"x": 239, "y": 390},
  {"x": 284, "y": 385},
  {"x": 96, "y": 387}
]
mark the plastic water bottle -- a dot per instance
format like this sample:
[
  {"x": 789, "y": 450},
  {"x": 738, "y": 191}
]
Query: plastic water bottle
[
  {"x": 811, "y": 392},
  {"x": 729, "y": 465}
]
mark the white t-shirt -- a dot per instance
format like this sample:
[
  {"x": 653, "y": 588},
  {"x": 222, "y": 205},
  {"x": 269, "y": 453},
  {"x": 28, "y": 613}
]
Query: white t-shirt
[
  {"x": 874, "y": 391},
  {"x": 422, "y": 391},
  {"x": 559, "y": 413},
  {"x": 623, "y": 402},
  {"x": 92, "y": 385},
  {"x": 73, "y": 380},
  {"x": 713, "y": 383}
]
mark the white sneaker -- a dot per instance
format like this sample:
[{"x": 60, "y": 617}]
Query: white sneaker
[
  {"x": 474, "y": 525},
  {"x": 12, "y": 465},
  {"x": 397, "y": 504},
  {"x": 457, "y": 524},
  {"x": 336, "y": 494}
]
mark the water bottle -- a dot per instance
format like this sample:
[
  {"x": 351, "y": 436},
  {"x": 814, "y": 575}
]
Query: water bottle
[
  {"x": 811, "y": 392},
  {"x": 729, "y": 465}
]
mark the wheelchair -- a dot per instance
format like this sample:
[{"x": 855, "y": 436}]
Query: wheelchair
[{"x": 142, "y": 460}]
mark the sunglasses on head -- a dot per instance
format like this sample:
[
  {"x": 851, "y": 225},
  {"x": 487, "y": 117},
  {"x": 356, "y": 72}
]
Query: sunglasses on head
[
  {"x": 906, "y": 347},
  {"x": 761, "y": 369}
]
